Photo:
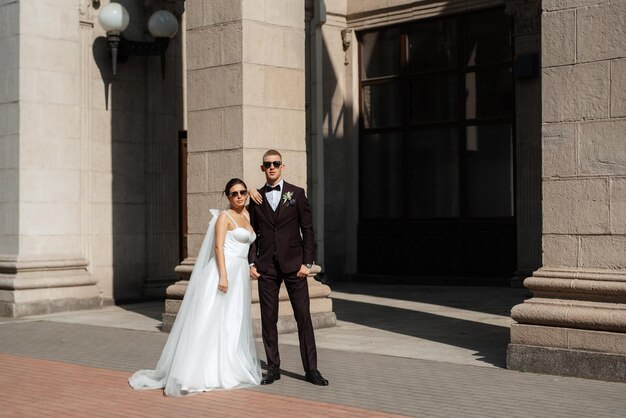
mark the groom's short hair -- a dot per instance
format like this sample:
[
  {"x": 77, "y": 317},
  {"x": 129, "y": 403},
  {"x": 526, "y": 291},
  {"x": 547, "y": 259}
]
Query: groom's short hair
[{"x": 270, "y": 152}]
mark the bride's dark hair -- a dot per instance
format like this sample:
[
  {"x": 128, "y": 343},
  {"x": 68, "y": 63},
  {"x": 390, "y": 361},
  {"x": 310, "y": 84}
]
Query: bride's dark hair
[{"x": 233, "y": 182}]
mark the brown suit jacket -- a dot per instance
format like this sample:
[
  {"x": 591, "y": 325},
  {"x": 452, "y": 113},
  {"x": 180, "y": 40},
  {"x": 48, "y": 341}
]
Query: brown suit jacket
[{"x": 286, "y": 233}]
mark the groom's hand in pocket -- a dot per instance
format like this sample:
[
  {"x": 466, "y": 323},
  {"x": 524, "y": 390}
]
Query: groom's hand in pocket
[{"x": 304, "y": 271}]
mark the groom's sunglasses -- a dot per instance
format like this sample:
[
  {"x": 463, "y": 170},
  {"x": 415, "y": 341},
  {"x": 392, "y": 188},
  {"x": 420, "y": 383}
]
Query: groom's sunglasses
[
  {"x": 268, "y": 164},
  {"x": 242, "y": 193}
]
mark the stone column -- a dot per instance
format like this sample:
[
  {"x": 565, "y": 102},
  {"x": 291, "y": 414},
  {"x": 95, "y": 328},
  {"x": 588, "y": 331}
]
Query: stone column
[
  {"x": 246, "y": 94},
  {"x": 44, "y": 249},
  {"x": 575, "y": 323},
  {"x": 527, "y": 42},
  {"x": 9, "y": 149}
]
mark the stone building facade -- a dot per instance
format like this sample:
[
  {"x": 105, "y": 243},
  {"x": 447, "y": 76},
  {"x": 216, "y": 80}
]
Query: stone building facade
[
  {"x": 452, "y": 141},
  {"x": 574, "y": 324},
  {"x": 89, "y": 161}
]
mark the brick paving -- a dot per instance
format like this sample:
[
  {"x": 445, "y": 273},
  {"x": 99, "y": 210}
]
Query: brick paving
[
  {"x": 360, "y": 383},
  {"x": 34, "y": 387}
]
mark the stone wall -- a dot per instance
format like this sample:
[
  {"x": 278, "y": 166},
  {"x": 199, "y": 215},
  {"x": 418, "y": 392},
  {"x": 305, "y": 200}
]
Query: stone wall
[
  {"x": 93, "y": 210},
  {"x": 246, "y": 76},
  {"x": 246, "y": 83},
  {"x": 9, "y": 127},
  {"x": 47, "y": 267},
  {"x": 581, "y": 288},
  {"x": 585, "y": 162},
  {"x": 135, "y": 118}
]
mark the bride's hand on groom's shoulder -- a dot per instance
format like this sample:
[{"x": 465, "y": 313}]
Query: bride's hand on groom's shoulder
[{"x": 256, "y": 196}]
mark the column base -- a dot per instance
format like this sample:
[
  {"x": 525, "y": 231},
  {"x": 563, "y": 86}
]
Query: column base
[
  {"x": 40, "y": 287},
  {"x": 286, "y": 324},
  {"x": 517, "y": 281},
  {"x": 564, "y": 362},
  {"x": 43, "y": 307},
  {"x": 574, "y": 325},
  {"x": 321, "y": 306}
]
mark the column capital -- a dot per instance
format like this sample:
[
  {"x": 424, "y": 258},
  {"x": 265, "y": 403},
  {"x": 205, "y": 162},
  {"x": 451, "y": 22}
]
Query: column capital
[{"x": 526, "y": 15}]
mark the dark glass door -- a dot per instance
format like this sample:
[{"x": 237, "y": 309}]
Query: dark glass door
[{"x": 437, "y": 149}]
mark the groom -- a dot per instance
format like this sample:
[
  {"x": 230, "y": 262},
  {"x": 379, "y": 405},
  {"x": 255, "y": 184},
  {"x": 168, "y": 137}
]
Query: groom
[{"x": 283, "y": 251}]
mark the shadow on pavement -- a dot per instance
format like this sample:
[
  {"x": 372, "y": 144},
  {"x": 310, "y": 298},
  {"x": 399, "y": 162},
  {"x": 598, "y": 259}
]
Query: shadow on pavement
[
  {"x": 489, "y": 341},
  {"x": 153, "y": 310},
  {"x": 440, "y": 321},
  {"x": 491, "y": 300}
]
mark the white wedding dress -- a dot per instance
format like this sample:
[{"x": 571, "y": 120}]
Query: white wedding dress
[{"x": 211, "y": 345}]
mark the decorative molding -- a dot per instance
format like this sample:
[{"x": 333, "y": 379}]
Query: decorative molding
[
  {"x": 84, "y": 6},
  {"x": 185, "y": 268},
  {"x": 46, "y": 282},
  {"x": 581, "y": 273},
  {"x": 591, "y": 299},
  {"x": 346, "y": 38},
  {"x": 414, "y": 11},
  {"x": 580, "y": 285},
  {"x": 12, "y": 265},
  {"x": 85, "y": 10},
  {"x": 571, "y": 315},
  {"x": 85, "y": 86},
  {"x": 526, "y": 14}
]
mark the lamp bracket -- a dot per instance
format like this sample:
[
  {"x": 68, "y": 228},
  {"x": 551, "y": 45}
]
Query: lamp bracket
[
  {"x": 122, "y": 48},
  {"x": 127, "y": 47}
]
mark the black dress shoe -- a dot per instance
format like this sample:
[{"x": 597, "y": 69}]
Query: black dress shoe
[
  {"x": 315, "y": 377},
  {"x": 271, "y": 376}
]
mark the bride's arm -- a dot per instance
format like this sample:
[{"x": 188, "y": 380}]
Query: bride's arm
[{"x": 221, "y": 227}]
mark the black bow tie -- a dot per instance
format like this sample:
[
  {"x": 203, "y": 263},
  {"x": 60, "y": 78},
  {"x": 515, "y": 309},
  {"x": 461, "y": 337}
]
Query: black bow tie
[{"x": 269, "y": 188}]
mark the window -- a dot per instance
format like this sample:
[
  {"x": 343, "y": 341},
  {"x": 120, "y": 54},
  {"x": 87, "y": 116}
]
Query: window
[{"x": 437, "y": 119}]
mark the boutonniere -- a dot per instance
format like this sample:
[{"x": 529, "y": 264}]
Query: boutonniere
[{"x": 288, "y": 198}]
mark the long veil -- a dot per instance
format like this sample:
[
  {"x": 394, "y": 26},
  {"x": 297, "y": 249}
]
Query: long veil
[
  {"x": 207, "y": 249},
  {"x": 153, "y": 379}
]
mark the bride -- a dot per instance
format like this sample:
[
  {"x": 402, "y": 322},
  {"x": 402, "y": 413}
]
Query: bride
[{"x": 211, "y": 345}]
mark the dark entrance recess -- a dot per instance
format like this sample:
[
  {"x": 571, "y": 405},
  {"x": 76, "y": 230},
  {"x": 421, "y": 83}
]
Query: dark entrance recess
[
  {"x": 437, "y": 151},
  {"x": 182, "y": 198}
]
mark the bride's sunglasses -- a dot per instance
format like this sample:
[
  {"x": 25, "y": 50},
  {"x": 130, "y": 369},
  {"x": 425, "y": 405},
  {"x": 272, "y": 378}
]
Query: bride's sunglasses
[
  {"x": 268, "y": 164},
  {"x": 236, "y": 193}
]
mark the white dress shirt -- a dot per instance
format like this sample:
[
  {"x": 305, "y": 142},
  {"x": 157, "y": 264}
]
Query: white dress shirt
[{"x": 273, "y": 197}]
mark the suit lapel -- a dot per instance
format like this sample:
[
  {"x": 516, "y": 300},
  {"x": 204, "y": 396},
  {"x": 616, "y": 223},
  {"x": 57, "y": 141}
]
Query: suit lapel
[
  {"x": 286, "y": 189},
  {"x": 267, "y": 209},
  {"x": 277, "y": 211},
  {"x": 270, "y": 214}
]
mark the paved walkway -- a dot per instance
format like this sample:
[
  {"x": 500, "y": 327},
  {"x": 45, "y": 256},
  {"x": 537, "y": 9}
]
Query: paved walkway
[{"x": 409, "y": 351}]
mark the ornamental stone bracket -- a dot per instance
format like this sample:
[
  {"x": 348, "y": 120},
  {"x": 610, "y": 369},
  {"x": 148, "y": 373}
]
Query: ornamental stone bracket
[
  {"x": 321, "y": 306},
  {"x": 526, "y": 15},
  {"x": 84, "y": 8}
]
